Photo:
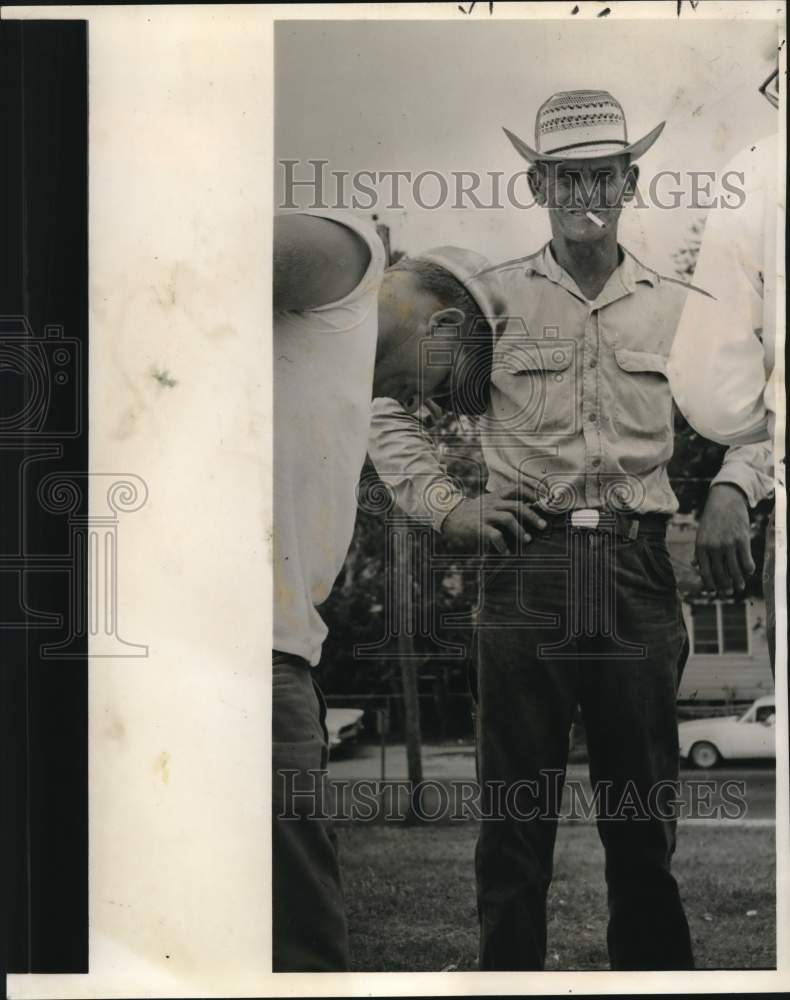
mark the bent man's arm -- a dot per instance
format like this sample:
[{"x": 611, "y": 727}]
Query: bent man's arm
[
  {"x": 316, "y": 261},
  {"x": 408, "y": 461}
]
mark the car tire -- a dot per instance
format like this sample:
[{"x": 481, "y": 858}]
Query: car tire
[{"x": 704, "y": 755}]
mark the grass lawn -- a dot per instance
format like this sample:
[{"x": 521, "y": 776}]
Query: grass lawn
[{"x": 410, "y": 897}]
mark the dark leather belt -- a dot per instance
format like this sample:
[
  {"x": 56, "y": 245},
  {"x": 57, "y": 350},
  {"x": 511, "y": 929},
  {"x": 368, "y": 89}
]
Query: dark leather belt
[{"x": 628, "y": 526}]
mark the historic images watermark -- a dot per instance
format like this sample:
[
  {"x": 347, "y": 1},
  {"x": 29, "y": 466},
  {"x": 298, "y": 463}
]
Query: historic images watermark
[
  {"x": 312, "y": 184},
  {"x": 312, "y": 795}
]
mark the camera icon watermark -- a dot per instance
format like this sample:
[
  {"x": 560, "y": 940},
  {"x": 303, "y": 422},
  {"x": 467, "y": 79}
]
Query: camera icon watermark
[
  {"x": 42, "y": 389},
  {"x": 59, "y": 539}
]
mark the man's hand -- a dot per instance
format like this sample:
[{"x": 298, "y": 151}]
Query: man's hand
[
  {"x": 724, "y": 552},
  {"x": 500, "y": 521}
]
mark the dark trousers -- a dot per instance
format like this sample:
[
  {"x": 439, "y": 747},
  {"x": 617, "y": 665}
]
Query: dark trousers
[
  {"x": 308, "y": 916},
  {"x": 585, "y": 618}
]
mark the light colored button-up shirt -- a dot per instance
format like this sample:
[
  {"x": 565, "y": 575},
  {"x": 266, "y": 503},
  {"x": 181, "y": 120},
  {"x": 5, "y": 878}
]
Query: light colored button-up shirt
[
  {"x": 580, "y": 406},
  {"x": 723, "y": 355}
]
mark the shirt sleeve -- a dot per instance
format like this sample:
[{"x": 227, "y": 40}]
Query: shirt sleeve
[
  {"x": 717, "y": 365},
  {"x": 750, "y": 468},
  {"x": 349, "y": 311},
  {"x": 371, "y": 280},
  {"x": 407, "y": 461},
  {"x": 716, "y": 371}
]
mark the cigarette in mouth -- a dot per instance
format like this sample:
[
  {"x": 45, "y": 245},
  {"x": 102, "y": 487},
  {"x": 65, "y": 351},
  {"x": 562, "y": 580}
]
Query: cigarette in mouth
[{"x": 594, "y": 218}]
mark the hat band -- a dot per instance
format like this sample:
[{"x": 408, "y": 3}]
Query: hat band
[{"x": 589, "y": 142}]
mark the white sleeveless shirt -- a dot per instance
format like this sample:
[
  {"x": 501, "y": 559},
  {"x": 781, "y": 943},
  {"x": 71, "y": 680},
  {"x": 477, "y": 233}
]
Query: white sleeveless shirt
[{"x": 323, "y": 384}]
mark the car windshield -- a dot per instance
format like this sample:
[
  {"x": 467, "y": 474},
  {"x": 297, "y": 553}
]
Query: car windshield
[{"x": 760, "y": 714}]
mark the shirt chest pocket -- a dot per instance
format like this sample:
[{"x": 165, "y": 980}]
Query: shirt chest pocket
[
  {"x": 642, "y": 397},
  {"x": 534, "y": 387}
]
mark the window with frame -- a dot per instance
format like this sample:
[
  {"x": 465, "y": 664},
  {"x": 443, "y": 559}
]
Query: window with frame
[{"x": 720, "y": 628}]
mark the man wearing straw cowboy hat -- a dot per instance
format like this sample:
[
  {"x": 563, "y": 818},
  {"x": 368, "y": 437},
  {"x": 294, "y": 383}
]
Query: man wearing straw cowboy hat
[{"x": 579, "y": 422}]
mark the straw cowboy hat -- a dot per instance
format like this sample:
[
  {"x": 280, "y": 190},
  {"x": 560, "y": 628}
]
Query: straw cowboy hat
[{"x": 581, "y": 125}]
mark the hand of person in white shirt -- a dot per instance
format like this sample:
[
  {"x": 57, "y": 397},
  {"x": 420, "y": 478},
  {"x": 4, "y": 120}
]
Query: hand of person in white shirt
[
  {"x": 499, "y": 521},
  {"x": 724, "y": 553}
]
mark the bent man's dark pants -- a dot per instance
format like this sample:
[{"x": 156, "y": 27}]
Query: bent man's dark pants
[
  {"x": 308, "y": 916},
  {"x": 582, "y": 617}
]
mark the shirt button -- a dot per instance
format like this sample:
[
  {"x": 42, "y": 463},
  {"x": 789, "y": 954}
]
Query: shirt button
[
  {"x": 593, "y": 363},
  {"x": 592, "y": 417},
  {"x": 596, "y": 462}
]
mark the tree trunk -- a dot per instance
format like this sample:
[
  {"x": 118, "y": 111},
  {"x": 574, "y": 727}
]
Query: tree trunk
[
  {"x": 404, "y": 581},
  {"x": 411, "y": 707}
]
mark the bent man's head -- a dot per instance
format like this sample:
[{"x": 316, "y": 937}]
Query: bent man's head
[
  {"x": 436, "y": 316},
  {"x": 435, "y": 309}
]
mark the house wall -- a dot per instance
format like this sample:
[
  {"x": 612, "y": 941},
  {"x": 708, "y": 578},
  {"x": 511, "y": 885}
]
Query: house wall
[{"x": 729, "y": 676}]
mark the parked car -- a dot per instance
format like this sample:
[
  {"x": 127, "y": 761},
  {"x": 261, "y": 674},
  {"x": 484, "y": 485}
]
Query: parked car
[
  {"x": 704, "y": 742},
  {"x": 343, "y": 724}
]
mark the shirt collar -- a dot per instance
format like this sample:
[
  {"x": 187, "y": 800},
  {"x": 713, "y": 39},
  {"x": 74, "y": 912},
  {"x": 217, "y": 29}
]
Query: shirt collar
[{"x": 622, "y": 281}]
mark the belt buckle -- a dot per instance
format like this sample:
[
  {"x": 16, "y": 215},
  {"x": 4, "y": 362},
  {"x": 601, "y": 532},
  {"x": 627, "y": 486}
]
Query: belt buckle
[{"x": 585, "y": 518}]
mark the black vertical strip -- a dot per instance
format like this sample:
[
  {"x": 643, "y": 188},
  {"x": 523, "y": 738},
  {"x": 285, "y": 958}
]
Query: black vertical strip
[
  {"x": 43, "y": 432},
  {"x": 13, "y": 677}
]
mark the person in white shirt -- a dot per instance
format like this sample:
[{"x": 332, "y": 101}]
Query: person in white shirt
[
  {"x": 724, "y": 349},
  {"x": 344, "y": 329},
  {"x": 723, "y": 368}
]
